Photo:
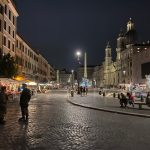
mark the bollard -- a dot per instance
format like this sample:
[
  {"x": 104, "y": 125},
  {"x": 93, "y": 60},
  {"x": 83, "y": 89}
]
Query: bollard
[
  {"x": 100, "y": 92},
  {"x": 114, "y": 95},
  {"x": 72, "y": 93},
  {"x": 103, "y": 93},
  {"x": 118, "y": 96}
]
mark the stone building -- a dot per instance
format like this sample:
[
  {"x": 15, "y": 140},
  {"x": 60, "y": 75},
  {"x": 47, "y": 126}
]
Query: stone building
[
  {"x": 65, "y": 78},
  {"x": 131, "y": 56},
  {"x": 31, "y": 64},
  {"x": 8, "y": 27},
  {"x": 141, "y": 63}
]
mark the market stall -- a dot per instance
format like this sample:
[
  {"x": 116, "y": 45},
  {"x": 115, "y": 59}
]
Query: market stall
[{"x": 12, "y": 87}]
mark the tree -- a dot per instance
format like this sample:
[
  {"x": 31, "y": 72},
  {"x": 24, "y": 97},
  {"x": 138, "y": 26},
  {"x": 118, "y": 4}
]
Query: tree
[{"x": 8, "y": 67}]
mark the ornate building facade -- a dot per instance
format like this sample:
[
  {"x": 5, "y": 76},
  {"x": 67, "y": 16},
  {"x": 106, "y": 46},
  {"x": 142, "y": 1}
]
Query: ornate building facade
[{"x": 126, "y": 69}]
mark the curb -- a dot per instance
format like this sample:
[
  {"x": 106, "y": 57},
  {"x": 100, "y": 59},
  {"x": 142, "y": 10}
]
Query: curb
[{"x": 109, "y": 110}]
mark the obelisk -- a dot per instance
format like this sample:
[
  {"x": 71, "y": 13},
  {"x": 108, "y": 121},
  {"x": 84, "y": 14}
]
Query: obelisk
[{"x": 85, "y": 66}]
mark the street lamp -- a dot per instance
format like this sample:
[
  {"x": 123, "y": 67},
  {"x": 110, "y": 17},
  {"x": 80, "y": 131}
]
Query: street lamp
[
  {"x": 78, "y": 53},
  {"x": 72, "y": 71},
  {"x": 124, "y": 73}
]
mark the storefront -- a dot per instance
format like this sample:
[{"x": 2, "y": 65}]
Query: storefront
[{"x": 12, "y": 87}]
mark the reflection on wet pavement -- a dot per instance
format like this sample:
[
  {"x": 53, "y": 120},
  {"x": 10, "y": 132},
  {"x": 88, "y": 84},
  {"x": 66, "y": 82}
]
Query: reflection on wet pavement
[{"x": 55, "y": 124}]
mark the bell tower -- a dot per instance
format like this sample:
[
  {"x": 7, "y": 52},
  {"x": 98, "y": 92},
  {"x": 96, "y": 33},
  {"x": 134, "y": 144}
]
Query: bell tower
[
  {"x": 120, "y": 44},
  {"x": 131, "y": 34},
  {"x": 108, "y": 57},
  {"x": 130, "y": 25}
]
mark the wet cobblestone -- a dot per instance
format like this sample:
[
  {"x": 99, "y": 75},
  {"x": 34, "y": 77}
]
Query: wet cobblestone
[{"x": 55, "y": 124}]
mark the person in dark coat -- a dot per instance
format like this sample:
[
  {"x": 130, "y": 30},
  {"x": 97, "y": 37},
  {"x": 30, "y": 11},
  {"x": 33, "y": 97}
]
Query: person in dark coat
[
  {"x": 81, "y": 90},
  {"x": 3, "y": 104},
  {"x": 123, "y": 100},
  {"x": 24, "y": 102},
  {"x": 148, "y": 99}
]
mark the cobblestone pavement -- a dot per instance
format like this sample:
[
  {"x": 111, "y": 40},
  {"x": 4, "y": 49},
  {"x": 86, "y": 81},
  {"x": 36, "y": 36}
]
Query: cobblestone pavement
[{"x": 55, "y": 124}]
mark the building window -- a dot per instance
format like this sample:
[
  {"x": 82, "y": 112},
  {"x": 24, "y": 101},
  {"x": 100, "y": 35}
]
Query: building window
[
  {"x": 20, "y": 46},
  {"x": 13, "y": 34},
  {"x": 6, "y": 9},
  {"x": 0, "y": 25},
  {"x": 4, "y": 41},
  {"x": 9, "y": 14},
  {"x": 9, "y": 44},
  {"x": 13, "y": 20},
  {"x": 28, "y": 53},
  {"x": 13, "y": 47},
  {"x": 1, "y": 9},
  {"x": 9, "y": 30},
  {"x": 5, "y": 26},
  {"x": 17, "y": 43}
]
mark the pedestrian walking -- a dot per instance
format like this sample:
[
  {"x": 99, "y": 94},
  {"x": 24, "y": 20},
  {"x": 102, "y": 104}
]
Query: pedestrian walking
[
  {"x": 81, "y": 90},
  {"x": 86, "y": 90},
  {"x": 3, "y": 104},
  {"x": 24, "y": 102}
]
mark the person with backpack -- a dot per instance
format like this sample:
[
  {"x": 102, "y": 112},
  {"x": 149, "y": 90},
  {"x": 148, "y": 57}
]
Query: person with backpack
[{"x": 24, "y": 102}]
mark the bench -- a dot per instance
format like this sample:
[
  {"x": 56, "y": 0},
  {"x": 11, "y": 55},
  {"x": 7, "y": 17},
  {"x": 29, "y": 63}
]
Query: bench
[{"x": 140, "y": 104}]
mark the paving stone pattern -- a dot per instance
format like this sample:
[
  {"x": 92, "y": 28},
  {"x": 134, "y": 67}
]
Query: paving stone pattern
[{"x": 55, "y": 124}]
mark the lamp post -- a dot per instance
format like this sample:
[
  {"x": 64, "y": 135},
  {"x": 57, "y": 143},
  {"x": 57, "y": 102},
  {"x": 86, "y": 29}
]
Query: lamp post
[
  {"x": 124, "y": 73},
  {"x": 72, "y": 71},
  {"x": 78, "y": 54}
]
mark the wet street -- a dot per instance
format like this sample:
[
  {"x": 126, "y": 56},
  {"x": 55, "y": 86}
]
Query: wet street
[{"x": 55, "y": 124}]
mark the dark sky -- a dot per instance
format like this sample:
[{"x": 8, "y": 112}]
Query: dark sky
[{"x": 58, "y": 27}]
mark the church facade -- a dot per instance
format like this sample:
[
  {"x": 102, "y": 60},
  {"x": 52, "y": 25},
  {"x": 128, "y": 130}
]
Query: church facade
[{"x": 132, "y": 62}]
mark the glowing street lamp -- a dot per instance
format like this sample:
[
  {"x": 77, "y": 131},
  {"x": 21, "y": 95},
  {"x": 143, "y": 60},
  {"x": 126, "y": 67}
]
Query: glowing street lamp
[
  {"x": 72, "y": 71},
  {"x": 78, "y": 53}
]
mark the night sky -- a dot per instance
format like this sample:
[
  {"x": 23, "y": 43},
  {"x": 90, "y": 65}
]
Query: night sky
[{"x": 58, "y": 27}]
